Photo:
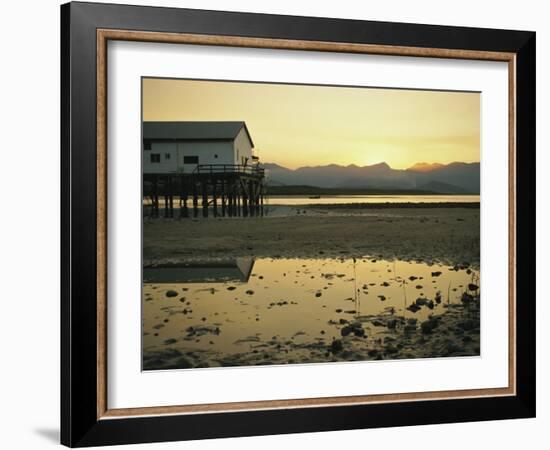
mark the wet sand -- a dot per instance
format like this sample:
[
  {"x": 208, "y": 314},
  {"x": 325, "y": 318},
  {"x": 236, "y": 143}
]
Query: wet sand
[
  {"x": 328, "y": 284},
  {"x": 447, "y": 235},
  {"x": 312, "y": 311}
]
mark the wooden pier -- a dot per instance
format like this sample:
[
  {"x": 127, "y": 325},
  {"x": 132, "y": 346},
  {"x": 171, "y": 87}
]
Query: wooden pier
[{"x": 226, "y": 190}]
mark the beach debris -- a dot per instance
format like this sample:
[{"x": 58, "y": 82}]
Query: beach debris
[
  {"x": 318, "y": 294},
  {"x": 418, "y": 286},
  {"x": 382, "y": 298},
  {"x": 250, "y": 292},
  {"x": 412, "y": 278},
  {"x": 436, "y": 274},
  {"x": 231, "y": 288},
  {"x": 171, "y": 293},
  {"x": 339, "y": 310},
  {"x": 385, "y": 284}
]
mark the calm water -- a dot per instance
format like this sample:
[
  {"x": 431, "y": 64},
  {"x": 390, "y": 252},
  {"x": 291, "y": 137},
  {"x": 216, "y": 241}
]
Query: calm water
[
  {"x": 286, "y": 308},
  {"x": 343, "y": 199}
]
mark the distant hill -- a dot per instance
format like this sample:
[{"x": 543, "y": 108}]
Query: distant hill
[
  {"x": 314, "y": 191},
  {"x": 455, "y": 178},
  {"x": 425, "y": 167}
]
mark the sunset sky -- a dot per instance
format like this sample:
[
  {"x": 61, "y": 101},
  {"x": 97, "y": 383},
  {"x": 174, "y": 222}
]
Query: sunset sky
[{"x": 297, "y": 125}]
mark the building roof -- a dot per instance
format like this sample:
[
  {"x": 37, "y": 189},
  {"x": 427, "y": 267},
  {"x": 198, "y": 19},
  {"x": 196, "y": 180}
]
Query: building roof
[{"x": 194, "y": 130}]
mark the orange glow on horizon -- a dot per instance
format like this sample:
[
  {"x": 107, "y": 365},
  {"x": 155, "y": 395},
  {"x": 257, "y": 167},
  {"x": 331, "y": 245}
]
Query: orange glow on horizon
[{"x": 300, "y": 125}]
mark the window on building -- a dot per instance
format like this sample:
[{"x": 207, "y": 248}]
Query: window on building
[
  {"x": 155, "y": 157},
  {"x": 167, "y": 156},
  {"x": 190, "y": 160},
  {"x": 147, "y": 144}
]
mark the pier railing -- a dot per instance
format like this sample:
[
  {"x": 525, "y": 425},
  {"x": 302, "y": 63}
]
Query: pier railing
[{"x": 205, "y": 169}]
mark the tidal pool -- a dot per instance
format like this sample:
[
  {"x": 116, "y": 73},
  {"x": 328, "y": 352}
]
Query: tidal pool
[{"x": 281, "y": 311}]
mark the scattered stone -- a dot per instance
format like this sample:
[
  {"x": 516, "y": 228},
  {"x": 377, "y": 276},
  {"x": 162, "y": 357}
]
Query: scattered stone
[
  {"x": 250, "y": 292},
  {"x": 466, "y": 298},
  {"x": 385, "y": 284},
  {"x": 468, "y": 324},
  {"x": 436, "y": 274},
  {"x": 420, "y": 301},
  {"x": 171, "y": 293},
  {"x": 336, "y": 346},
  {"x": 231, "y": 288},
  {"x": 429, "y": 325},
  {"x": 413, "y": 307},
  {"x": 382, "y": 298},
  {"x": 473, "y": 287},
  {"x": 345, "y": 331},
  {"x": 318, "y": 294},
  {"x": 170, "y": 341},
  {"x": 391, "y": 349}
]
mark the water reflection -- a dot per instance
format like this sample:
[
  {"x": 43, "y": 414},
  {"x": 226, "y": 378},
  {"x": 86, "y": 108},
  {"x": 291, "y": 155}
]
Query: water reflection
[
  {"x": 278, "y": 311},
  {"x": 237, "y": 269}
]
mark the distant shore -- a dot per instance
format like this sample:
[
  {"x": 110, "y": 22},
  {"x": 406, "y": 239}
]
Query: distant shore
[
  {"x": 446, "y": 233},
  {"x": 313, "y": 190},
  {"x": 389, "y": 205}
]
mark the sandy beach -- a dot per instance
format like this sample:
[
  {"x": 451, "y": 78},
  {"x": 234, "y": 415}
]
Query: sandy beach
[{"x": 430, "y": 234}]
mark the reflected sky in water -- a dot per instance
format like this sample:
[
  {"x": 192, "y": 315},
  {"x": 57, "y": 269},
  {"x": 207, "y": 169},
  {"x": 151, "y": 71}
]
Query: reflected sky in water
[{"x": 293, "y": 301}]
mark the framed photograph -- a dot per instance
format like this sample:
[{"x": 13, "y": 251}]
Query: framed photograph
[{"x": 276, "y": 224}]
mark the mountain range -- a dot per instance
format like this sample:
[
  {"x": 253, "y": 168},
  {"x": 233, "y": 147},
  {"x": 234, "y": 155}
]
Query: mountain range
[{"x": 453, "y": 178}]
